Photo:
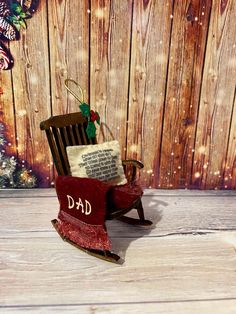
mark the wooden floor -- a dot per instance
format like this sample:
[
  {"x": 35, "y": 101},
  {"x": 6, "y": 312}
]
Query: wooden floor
[{"x": 184, "y": 263}]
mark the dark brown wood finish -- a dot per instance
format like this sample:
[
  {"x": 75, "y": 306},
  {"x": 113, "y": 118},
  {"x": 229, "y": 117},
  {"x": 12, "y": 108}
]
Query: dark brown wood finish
[{"x": 62, "y": 131}]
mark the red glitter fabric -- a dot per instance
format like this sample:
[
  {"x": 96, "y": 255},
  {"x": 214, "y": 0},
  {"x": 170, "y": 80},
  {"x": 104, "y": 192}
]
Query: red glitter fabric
[
  {"x": 83, "y": 206},
  {"x": 85, "y": 235},
  {"x": 82, "y": 211},
  {"x": 123, "y": 196},
  {"x": 75, "y": 194}
]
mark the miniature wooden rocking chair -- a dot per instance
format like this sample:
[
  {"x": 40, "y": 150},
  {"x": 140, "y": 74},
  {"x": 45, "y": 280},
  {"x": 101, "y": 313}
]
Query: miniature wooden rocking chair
[{"x": 69, "y": 130}]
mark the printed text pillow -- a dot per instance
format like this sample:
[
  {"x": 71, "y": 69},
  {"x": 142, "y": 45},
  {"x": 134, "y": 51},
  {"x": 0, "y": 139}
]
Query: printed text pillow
[{"x": 99, "y": 161}]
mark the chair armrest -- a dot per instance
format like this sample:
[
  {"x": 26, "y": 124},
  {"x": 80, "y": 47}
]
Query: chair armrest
[
  {"x": 131, "y": 175},
  {"x": 135, "y": 163}
]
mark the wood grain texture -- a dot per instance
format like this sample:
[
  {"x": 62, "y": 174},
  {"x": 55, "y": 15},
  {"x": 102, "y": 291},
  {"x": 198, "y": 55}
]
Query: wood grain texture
[
  {"x": 188, "y": 41},
  {"x": 49, "y": 271},
  {"x": 230, "y": 166},
  {"x": 110, "y": 57},
  {"x": 147, "y": 84},
  {"x": 172, "y": 214},
  {"x": 7, "y": 112},
  {"x": 41, "y": 192},
  {"x": 164, "y": 272},
  {"x": 193, "y": 307},
  {"x": 32, "y": 95},
  {"x": 69, "y": 51},
  {"x": 217, "y": 98},
  {"x": 161, "y": 74}
]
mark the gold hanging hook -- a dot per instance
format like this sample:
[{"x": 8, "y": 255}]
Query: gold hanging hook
[{"x": 73, "y": 93}]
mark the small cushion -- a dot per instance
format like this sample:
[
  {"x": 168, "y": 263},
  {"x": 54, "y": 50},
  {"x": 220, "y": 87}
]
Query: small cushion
[
  {"x": 99, "y": 161},
  {"x": 123, "y": 196}
]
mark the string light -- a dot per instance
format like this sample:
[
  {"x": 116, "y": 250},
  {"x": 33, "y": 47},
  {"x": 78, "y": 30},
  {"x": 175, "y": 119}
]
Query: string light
[
  {"x": 34, "y": 79},
  {"x": 202, "y": 149},
  {"x": 148, "y": 99},
  {"x": 120, "y": 114},
  {"x": 99, "y": 13},
  {"x": 21, "y": 113},
  {"x": 133, "y": 148}
]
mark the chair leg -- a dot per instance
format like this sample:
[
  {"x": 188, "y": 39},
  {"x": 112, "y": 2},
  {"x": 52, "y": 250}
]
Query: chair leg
[
  {"x": 139, "y": 222},
  {"x": 140, "y": 211}
]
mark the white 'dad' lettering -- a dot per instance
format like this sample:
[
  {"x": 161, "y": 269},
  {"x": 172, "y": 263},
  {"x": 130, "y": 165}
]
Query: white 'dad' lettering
[{"x": 85, "y": 208}]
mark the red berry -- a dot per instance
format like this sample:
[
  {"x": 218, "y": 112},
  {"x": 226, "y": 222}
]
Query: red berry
[{"x": 93, "y": 116}]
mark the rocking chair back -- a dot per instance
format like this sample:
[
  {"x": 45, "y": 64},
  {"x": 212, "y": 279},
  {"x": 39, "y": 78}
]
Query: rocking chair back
[{"x": 62, "y": 131}]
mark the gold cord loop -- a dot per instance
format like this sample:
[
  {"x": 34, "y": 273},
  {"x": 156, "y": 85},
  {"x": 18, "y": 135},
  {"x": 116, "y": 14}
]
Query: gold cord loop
[{"x": 73, "y": 93}]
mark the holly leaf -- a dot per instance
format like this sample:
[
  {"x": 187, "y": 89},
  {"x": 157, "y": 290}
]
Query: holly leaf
[
  {"x": 91, "y": 129},
  {"x": 12, "y": 19},
  {"x": 22, "y": 23},
  {"x": 16, "y": 8},
  {"x": 28, "y": 15},
  {"x": 16, "y": 23},
  {"x": 85, "y": 110},
  {"x": 17, "y": 26},
  {"x": 23, "y": 15},
  {"x": 98, "y": 118}
]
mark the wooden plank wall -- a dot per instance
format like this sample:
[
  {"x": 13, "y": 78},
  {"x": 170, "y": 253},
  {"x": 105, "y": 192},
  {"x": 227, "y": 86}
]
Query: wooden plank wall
[{"x": 162, "y": 74}]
